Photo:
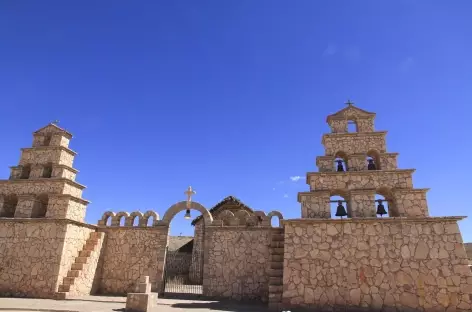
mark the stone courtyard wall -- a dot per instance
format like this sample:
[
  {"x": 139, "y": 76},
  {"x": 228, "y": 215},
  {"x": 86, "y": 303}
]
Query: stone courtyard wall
[
  {"x": 129, "y": 253},
  {"x": 35, "y": 254},
  {"x": 407, "y": 265},
  {"x": 237, "y": 262}
]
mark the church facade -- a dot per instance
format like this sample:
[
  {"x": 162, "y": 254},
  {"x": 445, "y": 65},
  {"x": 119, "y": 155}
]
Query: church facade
[{"x": 364, "y": 239}]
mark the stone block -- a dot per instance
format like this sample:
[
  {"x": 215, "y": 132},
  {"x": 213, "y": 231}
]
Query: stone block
[{"x": 140, "y": 302}]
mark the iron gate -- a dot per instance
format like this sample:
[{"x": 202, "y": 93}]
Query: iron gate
[{"x": 177, "y": 273}]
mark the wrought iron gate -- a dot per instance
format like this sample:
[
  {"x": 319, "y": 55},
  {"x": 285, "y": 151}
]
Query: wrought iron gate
[{"x": 177, "y": 279}]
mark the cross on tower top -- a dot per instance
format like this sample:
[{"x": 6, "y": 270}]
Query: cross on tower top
[
  {"x": 349, "y": 102},
  {"x": 189, "y": 192}
]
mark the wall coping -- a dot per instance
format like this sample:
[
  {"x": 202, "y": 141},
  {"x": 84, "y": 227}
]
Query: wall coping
[
  {"x": 375, "y": 220},
  {"x": 103, "y": 228},
  {"x": 49, "y": 147},
  {"x": 239, "y": 228},
  {"x": 47, "y": 220},
  {"x": 78, "y": 185},
  {"x": 329, "y": 157}
]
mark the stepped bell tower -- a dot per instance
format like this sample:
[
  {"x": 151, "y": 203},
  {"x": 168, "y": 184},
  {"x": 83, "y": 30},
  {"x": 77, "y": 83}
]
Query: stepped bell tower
[
  {"x": 356, "y": 166},
  {"x": 43, "y": 184}
]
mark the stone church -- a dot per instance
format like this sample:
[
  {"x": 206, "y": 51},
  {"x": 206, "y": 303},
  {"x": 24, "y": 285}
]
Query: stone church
[{"x": 364, "y": 239}]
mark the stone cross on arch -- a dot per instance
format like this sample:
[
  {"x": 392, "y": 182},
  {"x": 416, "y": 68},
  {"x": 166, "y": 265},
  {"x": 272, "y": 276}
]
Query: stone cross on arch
[{"x": 189, "y": 192}]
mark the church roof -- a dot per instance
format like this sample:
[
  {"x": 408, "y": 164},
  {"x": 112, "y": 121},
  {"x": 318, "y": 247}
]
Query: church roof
[
  {"x": 228, "y": 200},
  {"x": 52, "y": 127},
  {"x": 180, "y": 243},
  {"x": 350, "y": 110}
]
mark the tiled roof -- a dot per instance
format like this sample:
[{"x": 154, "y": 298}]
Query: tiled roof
[
  {"x": 180, "y": 243},
  {"x": 227, "y": 200}
]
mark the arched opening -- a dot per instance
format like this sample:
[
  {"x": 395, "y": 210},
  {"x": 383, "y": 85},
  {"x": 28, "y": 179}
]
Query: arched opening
[
  {"x": 108, "y": 221},
  {"x": 150, "y": 218},
  {"x": 9, "y": 206},
  {"x": 339, "y": 205},
  {"x": 122, "y": 220},
  {"x": 47, "y": 140},
  {"x": 384, "y": 198},
  {"x": 189, "y": 257},
  {"x": 150, "y": 221},
  {"x": 40, "y": 206},
  {"x": 340, "y": 162},
  {"x": 47, "y": 170},
  {"x": 352, "y": 126},
  {"x": 25, "y": 172},
  {"x": 275, "y": 221},
  {"x": 135, "y": 221},
  {"x": 373, "y": 160}
]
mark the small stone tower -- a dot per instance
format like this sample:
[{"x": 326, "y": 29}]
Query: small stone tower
[
  {"x": 43, "y": 184},
  {"x": 357, "y": 166}
]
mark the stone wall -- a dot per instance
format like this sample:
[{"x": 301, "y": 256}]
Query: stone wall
[
  {"x": 130, "y": 252},
  {"x": 40, "y": 186},
  {"x": 236, "y": 262},
  {"x": 35, "y": 254},
  {"x": 360, "y": 180},
  {"x": 44, "y": 155},
  {"x": 354, "y": 143},
  {"x": 196, "y": 273},
  {"x": 414, "y": 265}
]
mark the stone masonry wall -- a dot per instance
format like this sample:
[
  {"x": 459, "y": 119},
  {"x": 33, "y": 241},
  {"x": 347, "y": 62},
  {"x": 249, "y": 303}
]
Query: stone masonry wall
[
  {"x": 35, "y": 255},
  {"x": 41, "y": 186},
  {"x": 361, "y": 180},
  {"x": 196, "y": 273},
  {"x": 129, "y": 253},
  {"x": 236, "y": 262},
  {"x": 407, "y": 265},
  {"x": 354, "y": 143}
]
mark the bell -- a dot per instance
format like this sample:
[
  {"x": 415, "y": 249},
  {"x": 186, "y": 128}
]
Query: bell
[
  {"x": 340, "y": 165},
  {"x": 340, "y": 210},
  {"x": 187, "y": 214},
  {"x": 381, "y": 209},
  {"x": 371, "y": 165}
]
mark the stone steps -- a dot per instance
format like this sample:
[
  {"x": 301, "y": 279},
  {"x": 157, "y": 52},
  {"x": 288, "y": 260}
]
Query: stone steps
[
  {"x": 79, "y": 265},
  {"x": 276, "y": 268}
]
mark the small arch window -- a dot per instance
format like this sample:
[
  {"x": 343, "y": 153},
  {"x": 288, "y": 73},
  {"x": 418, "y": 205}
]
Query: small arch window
[
  {"x": 47, "y": 171},
  {"x": 340, "y": 162},
  {"x": 373, "y": 160},
  {"x": 9, "y": 206},
  {"x": 47, "y": 140},
  {"x": 25, "y": 172},
  {"x": 40, "y": 206},
  {"x": 352, "y": 126},
  {"x": 339, "y": 207}
]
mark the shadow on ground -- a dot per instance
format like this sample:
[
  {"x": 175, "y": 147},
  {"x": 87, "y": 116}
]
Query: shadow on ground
[{"x": 222, "y": 306}]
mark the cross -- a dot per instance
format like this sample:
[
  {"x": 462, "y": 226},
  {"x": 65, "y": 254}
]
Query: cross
[
  {"x": 189, "y": 192},
  {"x": 55, "y": 122},
  {"x": 349, "y": 102}
]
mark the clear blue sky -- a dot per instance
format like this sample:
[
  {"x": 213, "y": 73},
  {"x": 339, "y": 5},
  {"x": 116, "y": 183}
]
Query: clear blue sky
[{"x": 231, "y": 96}]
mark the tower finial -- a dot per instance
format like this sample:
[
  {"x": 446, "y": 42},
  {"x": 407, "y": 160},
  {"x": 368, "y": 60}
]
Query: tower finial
[
  {"x": 349, "y": 103},
  {"x": 55, "y": 122}
]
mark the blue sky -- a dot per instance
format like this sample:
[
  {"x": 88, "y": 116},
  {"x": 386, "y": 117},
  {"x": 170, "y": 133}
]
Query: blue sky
[{"x": 231, "y": 96}]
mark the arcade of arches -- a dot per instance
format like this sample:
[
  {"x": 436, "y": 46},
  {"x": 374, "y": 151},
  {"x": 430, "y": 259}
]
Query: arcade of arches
[{"x": 380, "y": 249}]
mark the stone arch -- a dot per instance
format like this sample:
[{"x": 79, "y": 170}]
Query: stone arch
[
  {"x": 375, "y": 156},
  {"x": 387, "y": 193},
  {"x": 341, "y": 156},
  {"x": 147, "y": 215},
  {"x": 225, "y": 216},
  {"x": 242, "y": 216},
  {"x": 115, "y": 221},
  {"x": 278, "y": 214},
  {"x": 180, "y": 206},
  {"x": 130, "y": 219},
  {"x": 107, "y": 215},
  {"x": 346, "y": 196},
  {"x": 40, "y": 206}
]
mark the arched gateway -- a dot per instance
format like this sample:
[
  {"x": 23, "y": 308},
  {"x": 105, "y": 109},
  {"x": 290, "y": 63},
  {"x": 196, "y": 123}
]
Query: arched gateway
[{"x": 175, "y": 263}]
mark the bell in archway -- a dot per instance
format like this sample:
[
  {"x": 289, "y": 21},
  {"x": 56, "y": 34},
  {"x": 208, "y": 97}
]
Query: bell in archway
[
  {"x": 340, "y": 165},
  {"x": 340, "y": 210},
  {"x": 187, "y": 214},
  {"x": 381, "y": 208},
  {"x": 371, "y": 165}
]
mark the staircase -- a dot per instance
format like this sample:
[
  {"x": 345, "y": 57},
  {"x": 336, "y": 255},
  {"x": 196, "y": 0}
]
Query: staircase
[
  {"x": 81, "y": 275},
  {"x": 276, "y": 268}
]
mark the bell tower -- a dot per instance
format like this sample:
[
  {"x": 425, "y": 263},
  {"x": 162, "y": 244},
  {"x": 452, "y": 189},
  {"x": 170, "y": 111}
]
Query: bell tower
[
  {"x": 43, "y": 184},
  {"x": 357, "y": 166}
]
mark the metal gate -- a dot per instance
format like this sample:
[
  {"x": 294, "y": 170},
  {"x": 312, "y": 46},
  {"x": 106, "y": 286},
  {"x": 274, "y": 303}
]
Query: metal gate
[{"x": 177, "y": 279}]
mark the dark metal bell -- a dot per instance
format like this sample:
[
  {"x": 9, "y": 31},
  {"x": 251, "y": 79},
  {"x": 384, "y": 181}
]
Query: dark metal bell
[
  {"x": 340, "y": 210},
  {"x": 381, "y": 209},
  {"x": 371, "y": 165},
  {"x": 340, "y": 165}
]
